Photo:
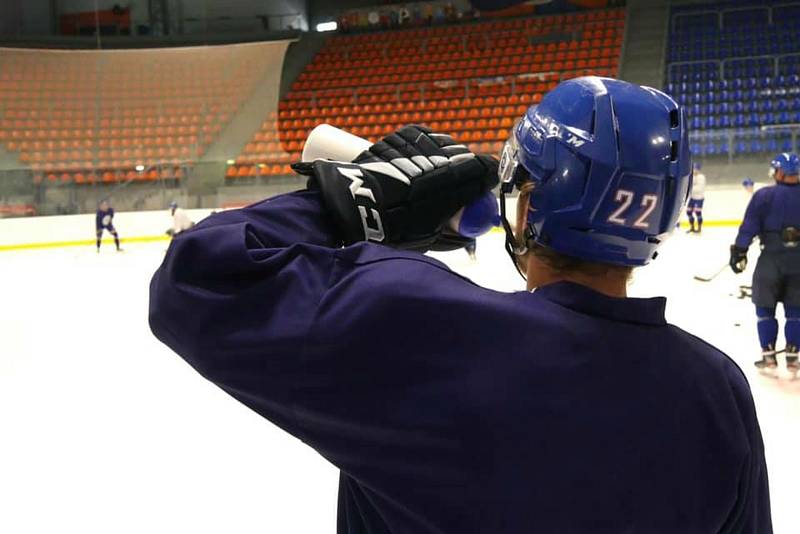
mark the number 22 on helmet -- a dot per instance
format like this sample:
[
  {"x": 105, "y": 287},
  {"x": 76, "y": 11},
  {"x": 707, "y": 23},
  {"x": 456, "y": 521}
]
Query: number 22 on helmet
[{"x": 610, "y": 166}]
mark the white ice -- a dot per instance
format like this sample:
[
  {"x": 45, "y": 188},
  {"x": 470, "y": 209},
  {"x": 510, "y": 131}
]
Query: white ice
[{"x": 104, "y": 430}]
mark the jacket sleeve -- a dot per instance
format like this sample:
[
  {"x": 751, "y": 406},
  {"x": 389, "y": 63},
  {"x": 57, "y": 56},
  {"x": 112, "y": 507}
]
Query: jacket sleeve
[
  {"x": 751, "y": 513},
  {"x": 342, "y": 347},
  {"x": 753, "y": 219}
]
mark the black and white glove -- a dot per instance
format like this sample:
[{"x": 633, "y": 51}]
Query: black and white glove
[
  {"x": 738, "y": 261},
  {"x": 403, "y": 190}
]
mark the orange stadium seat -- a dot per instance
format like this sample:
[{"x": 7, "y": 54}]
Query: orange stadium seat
[
  {"x": 61, "y": 113},
  {"x": 471, "y": 86}
]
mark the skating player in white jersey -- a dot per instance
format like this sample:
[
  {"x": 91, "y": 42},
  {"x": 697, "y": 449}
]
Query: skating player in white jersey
[
  {"x": 694, "y": 209},
  {"x": 180, "y": 221}
]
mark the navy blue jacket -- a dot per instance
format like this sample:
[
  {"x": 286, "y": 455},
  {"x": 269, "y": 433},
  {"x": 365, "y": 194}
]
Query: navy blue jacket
[
  {"x": 771, "y": 209},
  {"x": 450, "y": 408},
  {"x": 104, "y": 219}
]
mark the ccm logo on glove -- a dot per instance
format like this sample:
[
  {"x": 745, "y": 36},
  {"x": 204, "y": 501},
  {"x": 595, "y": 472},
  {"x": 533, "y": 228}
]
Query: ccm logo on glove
[{"x": 357, "y": 189}]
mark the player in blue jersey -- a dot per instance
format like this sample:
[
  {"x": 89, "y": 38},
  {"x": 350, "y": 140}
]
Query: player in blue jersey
[
  {"x": 773, "y": 215},
  {"x": 749, "y": 185},
  {"x": 451, "y": 408},
  {"x": 104, "y": 220}
]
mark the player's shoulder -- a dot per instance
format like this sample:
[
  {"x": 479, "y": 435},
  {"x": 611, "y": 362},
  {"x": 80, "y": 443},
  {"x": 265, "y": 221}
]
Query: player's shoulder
[
  {"x": 702, "y": 355},
  {"x": 762, "y": 197},
  {"x": 387, "y": 275},
  {"x": 396, "y": 267},
  {"x": 764, "y": 192}
]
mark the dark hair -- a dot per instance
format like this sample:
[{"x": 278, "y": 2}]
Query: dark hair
[{"x": 570, "y": 264}]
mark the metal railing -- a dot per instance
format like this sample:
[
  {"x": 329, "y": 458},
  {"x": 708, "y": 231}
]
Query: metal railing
[
  {"x": 720, "y": 13},
  {"x": 731, "y": 137},
  {"x": 721, "y": 63}
]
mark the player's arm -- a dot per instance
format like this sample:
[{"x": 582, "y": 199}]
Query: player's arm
[
  {"x": 752, "y": 222},
  {"x": 749, "y": 228},
  {"x": 751, "y": 512},
  {"x": 324, "y": 340}
]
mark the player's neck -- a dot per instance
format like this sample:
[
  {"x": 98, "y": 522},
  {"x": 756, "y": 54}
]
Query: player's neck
[{"x": 613, "y": 282}]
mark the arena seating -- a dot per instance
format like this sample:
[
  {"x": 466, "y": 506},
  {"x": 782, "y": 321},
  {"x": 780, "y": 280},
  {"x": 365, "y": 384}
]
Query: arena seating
[
  {"x": 94, "y": 116},
  {"x": 472, "y": 80},
  {"x": 737, "y": 71}
]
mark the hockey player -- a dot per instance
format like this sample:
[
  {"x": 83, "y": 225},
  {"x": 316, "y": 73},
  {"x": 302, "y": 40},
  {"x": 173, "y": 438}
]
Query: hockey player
[
  {"x": 104, "y": 220},
  {"x": 749, "y": 185},
  {"x": 694, "y": 209},
  {"x": 180, "y": 221},
  {"x": 450, "y": 408},
  {"x": 773, "y": 215}
]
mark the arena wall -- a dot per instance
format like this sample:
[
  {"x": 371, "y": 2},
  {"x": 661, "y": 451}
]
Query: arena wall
[{"x": 724, "y": 207}]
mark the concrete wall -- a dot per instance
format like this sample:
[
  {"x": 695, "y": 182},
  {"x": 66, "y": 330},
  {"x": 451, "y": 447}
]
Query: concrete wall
[
  {"x": 25, "y": 17},
  {"x": 241, "y": 15},
  {"x": 140, "y": 12},
  {"x": 10, "y": 17}
]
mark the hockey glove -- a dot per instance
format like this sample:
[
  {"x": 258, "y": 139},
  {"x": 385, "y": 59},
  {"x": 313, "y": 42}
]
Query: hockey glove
[
  {"x": 403, "y": 190},
  {"x": 738, "y": 261}
]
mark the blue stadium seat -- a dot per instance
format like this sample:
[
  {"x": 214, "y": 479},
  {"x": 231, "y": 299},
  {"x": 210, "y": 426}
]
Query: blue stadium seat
[
  {"x": 772, "y": 145},
  {"x": 740, "y": 147}
]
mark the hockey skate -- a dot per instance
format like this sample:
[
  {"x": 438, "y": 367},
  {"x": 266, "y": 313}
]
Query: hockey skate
[
  {"x": 768, "y": 364},
  {"x": 792, "y": 363}
]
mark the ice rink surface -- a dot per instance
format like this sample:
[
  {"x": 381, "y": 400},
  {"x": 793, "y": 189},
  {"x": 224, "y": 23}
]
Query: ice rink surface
[{"x": 104, "y": 430}]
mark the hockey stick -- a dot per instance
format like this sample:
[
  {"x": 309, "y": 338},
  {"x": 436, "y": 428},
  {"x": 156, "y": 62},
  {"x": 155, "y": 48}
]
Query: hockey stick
[{"x": 710, "y": 278}]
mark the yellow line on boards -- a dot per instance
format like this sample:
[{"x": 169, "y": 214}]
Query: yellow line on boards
[
  {"x": 716, "y": 223},
  {"x": 81, "y": 243}
]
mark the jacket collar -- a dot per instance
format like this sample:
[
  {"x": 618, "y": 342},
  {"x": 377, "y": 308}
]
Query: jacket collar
[{"x": 580, "y": 298}]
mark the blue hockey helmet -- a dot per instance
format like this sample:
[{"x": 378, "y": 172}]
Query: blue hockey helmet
[
  {"x": 611, "y": 169},
  {"x": 786, "y": 162},
  {"x": 173, "y": 204},
  {"x": 748, "y": 182}
]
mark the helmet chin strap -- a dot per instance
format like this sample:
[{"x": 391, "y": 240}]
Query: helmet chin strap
[{"x": 514, "y": 250}]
